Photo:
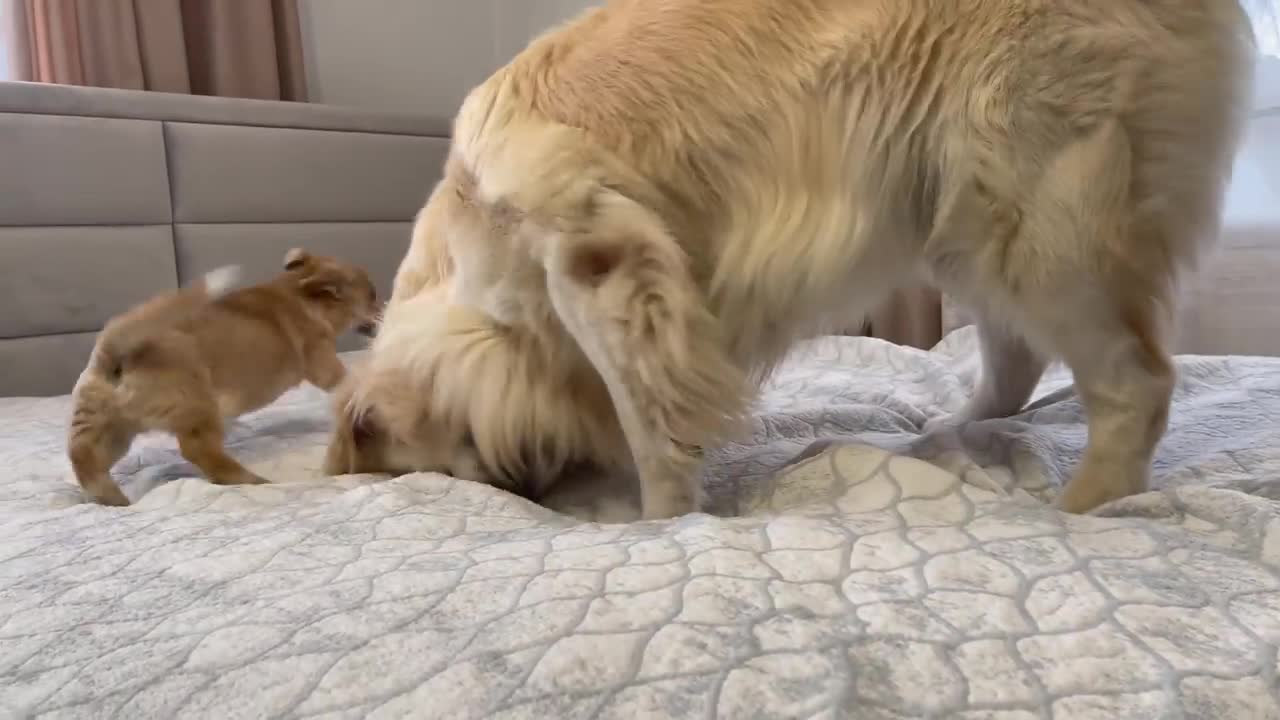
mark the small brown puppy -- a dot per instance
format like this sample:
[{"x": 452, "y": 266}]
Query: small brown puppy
[{"x": 188, "y": 360}]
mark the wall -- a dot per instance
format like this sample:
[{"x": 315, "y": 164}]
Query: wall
[
  {"x": 9, "y": 48},
  {"x": 416, "y": 55}
]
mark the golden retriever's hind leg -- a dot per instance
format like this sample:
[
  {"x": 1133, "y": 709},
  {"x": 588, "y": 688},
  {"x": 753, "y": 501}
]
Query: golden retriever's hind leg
[
  {"x": 1125, "y": 379},
  {"x": 1097, "y": 291},
  {"x": 625, "y": 294},
  {"x": 201, "y": 443},
  {"x": 668, "y": 469}
]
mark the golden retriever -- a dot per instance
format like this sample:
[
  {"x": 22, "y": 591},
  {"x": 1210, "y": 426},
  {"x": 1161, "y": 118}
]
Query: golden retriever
[
  {"x": 186, "y": 361},
  {"x": 645, "y": 210}
]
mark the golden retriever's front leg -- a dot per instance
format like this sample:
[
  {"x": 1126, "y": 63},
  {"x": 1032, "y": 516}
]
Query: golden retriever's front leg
[
  {"x": 1010, "y": 371},
  {"x": 624, "y": 291}
]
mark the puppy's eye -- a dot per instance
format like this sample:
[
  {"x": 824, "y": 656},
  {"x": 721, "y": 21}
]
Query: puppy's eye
[{"x": 468, "y": 441}]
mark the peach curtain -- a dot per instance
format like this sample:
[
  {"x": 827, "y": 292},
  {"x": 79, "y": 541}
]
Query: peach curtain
[{"x": 233, "y": 48}]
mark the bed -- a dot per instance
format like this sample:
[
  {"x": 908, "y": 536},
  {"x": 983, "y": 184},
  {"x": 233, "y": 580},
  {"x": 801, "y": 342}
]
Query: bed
[{"x": 848, "y": 564}]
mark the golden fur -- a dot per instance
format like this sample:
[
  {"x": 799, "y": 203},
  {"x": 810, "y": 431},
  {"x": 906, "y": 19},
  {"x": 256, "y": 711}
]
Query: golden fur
[
  {"x": 414, "y": 413},
  {"x": 656, "y": 201},
  {"x": 186, "y": 361}
]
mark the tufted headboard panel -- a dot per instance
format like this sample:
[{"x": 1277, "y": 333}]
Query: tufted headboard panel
[{"x": 108, "y": 197}]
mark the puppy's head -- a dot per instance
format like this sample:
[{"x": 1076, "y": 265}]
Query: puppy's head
[{"x": 342, "y": 289}]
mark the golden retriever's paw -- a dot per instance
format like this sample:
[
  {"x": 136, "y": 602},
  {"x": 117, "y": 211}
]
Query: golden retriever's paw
[
  {"x": 1087, "y": 492},
  {"x": 941, "y": 423},
  {"x": 973, "y": 412},
  {"x": 668, "y": 505}
]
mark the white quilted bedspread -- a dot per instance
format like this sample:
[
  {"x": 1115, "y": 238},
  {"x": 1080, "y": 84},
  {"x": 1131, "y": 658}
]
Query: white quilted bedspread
[{"x": 851, "y": 568}]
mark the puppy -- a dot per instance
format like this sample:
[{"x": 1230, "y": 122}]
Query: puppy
[
  {"x": 667, "y": 230},
  {"x": 188, "y": 360}
]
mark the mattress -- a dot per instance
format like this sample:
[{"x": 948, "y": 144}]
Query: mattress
[{"x": 848, "y": 566}]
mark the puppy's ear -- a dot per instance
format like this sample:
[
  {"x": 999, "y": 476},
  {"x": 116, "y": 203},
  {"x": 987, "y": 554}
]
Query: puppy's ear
[
  {"x": 623, "y": 287},
  {"x": 296, "y": 258},
  {"x": 324, "y": 284}
]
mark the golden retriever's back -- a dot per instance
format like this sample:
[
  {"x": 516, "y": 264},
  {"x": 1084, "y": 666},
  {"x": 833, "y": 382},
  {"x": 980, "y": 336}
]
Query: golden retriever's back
[{"x": 762, "y": 131}]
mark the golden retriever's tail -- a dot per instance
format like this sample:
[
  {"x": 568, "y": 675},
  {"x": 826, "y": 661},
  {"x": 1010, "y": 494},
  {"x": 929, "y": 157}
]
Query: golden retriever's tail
[{"x": 126, "y": 336}]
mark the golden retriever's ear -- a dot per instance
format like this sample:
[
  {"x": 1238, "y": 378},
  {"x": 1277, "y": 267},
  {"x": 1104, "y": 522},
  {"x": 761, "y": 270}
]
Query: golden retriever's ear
[
  {"x": 427, "y": 262},
  {"x": 623, "y": 288},
  {"x": 296, "y": 258}
]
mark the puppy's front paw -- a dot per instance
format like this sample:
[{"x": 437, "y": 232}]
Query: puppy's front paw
[
  {"x": 245, "y": 478},
  {"x": 111, "y": 496}
]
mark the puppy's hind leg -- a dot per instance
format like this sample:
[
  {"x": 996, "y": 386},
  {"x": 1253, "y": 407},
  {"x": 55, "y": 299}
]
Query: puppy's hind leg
[{"x": 94, "y": 446}]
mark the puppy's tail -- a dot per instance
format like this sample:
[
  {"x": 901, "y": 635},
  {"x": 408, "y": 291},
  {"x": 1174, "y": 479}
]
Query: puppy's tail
[
  {"x": 217, "y": 282},
  {"x": 127, "y": 336}
]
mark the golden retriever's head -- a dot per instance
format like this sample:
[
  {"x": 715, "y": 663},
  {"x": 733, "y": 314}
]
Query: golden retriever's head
[
  {"x": 445, "y": 389},
  {"x": 343, "y": 290},
  {"x": 373, "y": 434}
]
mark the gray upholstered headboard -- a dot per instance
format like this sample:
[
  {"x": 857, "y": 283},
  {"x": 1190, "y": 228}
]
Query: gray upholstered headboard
[{"x": 107, "y": 197}]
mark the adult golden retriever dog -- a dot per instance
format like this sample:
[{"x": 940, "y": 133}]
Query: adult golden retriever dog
[{"x": 646, "y": 209}]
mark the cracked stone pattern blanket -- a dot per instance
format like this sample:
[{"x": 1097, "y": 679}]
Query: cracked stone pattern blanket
[{"x": 850, "y": 567}]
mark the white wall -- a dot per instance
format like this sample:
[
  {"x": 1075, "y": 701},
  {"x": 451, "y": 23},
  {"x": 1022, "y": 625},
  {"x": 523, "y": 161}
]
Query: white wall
[{"x": 415, "y": 55}]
